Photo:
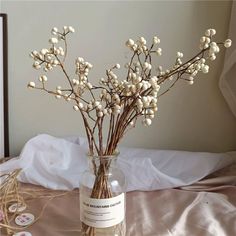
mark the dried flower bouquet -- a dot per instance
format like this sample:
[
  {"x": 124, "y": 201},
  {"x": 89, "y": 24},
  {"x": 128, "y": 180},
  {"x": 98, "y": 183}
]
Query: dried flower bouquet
[
  {"x": 122, "y": 102},
  {"x": 118, "y": 102}
]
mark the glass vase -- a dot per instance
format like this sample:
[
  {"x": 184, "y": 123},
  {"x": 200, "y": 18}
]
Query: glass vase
[{"x": 102, "y": 198}]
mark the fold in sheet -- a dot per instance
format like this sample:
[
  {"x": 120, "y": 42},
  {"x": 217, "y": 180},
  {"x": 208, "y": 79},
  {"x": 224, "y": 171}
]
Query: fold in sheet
[{"x": 58, "y": 163}]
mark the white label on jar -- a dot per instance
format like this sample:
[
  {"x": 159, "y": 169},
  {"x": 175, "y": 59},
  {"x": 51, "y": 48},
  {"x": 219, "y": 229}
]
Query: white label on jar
[{"x": 102, "y": 213}]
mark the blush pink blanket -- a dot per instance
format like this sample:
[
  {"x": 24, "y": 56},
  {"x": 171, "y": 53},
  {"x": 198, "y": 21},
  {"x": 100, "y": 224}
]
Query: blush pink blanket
[
  {"x": 176, "y": 212},
  {"x": 207, "y": 208}
]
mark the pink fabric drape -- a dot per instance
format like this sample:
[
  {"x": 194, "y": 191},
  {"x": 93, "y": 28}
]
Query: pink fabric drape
[{"x": 207, "y": 208}]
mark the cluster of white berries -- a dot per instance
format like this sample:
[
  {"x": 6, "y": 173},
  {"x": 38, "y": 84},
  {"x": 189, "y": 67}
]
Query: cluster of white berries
[
  {"x": 82, "y": 70},
  {"x": 198, "y": 64},
  {"x": 140, "y": 46},
  {"x": 116, "y": 93},
  {"x": 43, "y": 78},
  {"x": 61, "y": 35},
  {"x": 191, "y": 68},
  {"x": 147, "y": 105},
  {"x": 58, "y": 92},
  {"x": 49, "y": 58},
  {"x": 112, "y": 79},
  {"x": 206, "y": 39},
  {"x": 179, "y": 56},
  {"x": 133, "y": 88},
  {"x": 139, "y": 90}
]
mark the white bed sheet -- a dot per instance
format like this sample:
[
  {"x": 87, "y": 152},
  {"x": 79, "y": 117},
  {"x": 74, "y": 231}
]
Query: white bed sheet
[{"x": 57, "y": 163}]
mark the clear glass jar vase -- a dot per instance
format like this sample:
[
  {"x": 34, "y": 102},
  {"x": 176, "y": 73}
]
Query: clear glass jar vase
[{"x": 102, "y": 198}]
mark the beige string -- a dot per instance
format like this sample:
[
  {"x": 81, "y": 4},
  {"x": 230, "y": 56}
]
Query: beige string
[{"x": 10, "y": 193}]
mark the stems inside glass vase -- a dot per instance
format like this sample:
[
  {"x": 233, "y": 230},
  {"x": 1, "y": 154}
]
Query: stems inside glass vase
[{"x": 104, "y": 171}]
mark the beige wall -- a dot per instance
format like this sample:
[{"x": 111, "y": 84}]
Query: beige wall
[{"x": 192, "y": 118}]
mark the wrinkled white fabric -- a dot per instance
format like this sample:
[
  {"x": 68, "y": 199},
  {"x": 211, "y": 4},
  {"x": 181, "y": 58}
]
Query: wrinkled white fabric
[{"x": 57, "y": 163}]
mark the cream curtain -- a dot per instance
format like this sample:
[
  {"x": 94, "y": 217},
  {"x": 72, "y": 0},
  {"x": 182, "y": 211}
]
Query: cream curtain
[{"x": 227, "y": 81}]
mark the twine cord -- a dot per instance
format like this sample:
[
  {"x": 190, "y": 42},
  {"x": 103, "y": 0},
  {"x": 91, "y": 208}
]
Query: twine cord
[{"x": 11, "y": 194}]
